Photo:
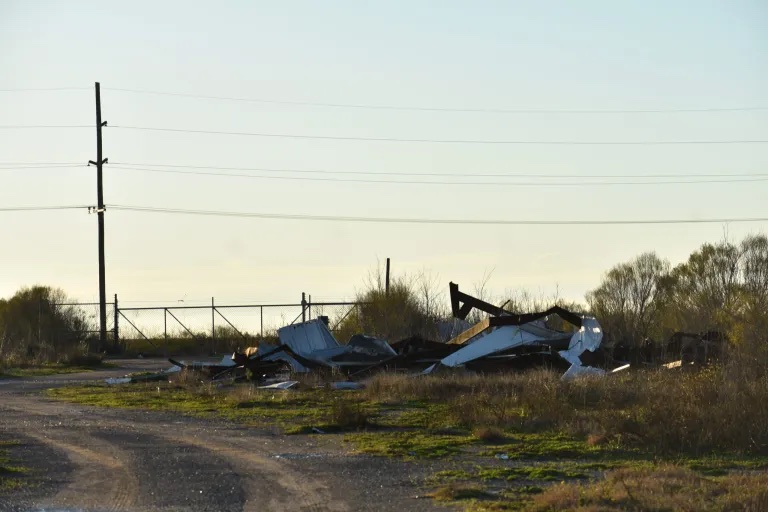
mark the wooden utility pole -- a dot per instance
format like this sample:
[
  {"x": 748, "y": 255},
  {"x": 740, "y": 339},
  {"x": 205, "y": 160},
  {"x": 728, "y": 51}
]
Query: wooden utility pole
[
  {"x": 99, "y": 163},
  {"x": 386, "y": 280}
]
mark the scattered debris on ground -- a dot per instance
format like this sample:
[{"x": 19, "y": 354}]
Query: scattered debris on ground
[{"x": 501, "y": 341}]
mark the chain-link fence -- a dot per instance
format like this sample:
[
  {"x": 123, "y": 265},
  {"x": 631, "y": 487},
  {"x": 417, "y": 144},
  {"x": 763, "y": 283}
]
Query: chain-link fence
[
  {"x": 215, "y": 328},
  {"x": 80, "y": 322},
  {"x": 178, "y": 329}
]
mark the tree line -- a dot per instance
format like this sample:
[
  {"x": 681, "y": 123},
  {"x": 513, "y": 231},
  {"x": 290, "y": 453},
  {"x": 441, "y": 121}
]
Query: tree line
[{"x": 721, "y": 287}]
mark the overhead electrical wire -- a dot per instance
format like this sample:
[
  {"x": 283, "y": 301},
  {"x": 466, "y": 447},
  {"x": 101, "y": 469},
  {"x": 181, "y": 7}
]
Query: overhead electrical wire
[
  {"x": 438, "y": 109},
  {"x": 391, "y": 220},
  {"x": 35, "y": 164},
  {"x": 428, "y": 174},
  {"x": 42, "y": 126},
  {"x": 41, "y": 208},
  {"x": 439, "y": 141},
  {"x": 45, "y": 89},
  {"x": 425, "y": 182},
  {"x": 48, "y": 166}
]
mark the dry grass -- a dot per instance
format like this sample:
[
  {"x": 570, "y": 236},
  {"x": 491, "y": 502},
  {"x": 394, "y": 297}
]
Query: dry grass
[
  {"x": 490, "y": 435},
  {"x": 47, "y": 355},
  {"x": 349, "y": 415},
  {"x": 665, "y": 411},
  {"x": 665, "y": 488},
  {"x": 454, "y": 491}
]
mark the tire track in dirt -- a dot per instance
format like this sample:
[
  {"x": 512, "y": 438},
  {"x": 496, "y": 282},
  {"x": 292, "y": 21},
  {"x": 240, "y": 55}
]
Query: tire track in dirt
[
  {"x": 177, "y": 476},
  {"x": 108, "y": 447},
  {"x": 299, "y": 491},
  {"x": 102, "y": 479}
]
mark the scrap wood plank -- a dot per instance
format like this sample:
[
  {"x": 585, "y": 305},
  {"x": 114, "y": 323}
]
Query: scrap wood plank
[{"x": 471, "y": 332}]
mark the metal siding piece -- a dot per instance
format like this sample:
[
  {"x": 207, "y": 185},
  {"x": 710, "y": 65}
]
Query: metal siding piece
[
  {"x": 370, "y": 345},
  {"x": 502, "y": 338},
  {"x": 288, "y": 384},
  {"x": 307, "y": 337},
  {"x": 576, "y": 370}
]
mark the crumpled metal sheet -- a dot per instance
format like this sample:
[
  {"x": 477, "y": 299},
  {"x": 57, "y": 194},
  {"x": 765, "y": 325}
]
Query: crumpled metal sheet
[
  {"x": 307, "y": 337},
  {"x": 506, "y": 337},
  {"x": 369, "y": 345},
  {"x": 281, "y": 385},
  {"x": 587, "y": 338},
  {"x": 500, "y": 339}
]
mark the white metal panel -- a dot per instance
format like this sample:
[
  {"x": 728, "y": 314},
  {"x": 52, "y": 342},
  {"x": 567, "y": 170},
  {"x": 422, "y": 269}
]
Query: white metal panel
[
  {"x": 307, "y": 337},
  {"x": 502, "y": 338}
]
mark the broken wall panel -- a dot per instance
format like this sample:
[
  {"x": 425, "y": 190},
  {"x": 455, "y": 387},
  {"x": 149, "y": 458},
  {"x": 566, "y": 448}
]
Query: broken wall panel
[{"x": 307, "y": 337}]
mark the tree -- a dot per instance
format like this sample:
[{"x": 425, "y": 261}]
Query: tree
[
  {"x": 410, "y": 308},
  {"x": 754, "y": 271},
  {"x": 707, "y": 289},
  {"x": 35, "y": 323},
  {"x": 629, "y": 301}
]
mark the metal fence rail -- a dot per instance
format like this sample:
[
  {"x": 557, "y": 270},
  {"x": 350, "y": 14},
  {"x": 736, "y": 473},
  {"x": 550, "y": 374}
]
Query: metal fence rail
[{"x": 213, "y": 328}]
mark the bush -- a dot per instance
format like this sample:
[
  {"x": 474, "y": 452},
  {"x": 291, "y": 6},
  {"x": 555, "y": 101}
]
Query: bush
[
  {"x": 348, "y": 415},
  {"x": 36, "y": 327}
]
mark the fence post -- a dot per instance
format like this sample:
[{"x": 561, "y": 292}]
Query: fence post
[
  {"x": 116, "y": 334},
  {"x": 261, "y": 313},
  {"x": 39, "y": 319},
  {"x": 303, "y": 307},
  {"x": 213, "y": 328},
  {"x": 309, "y": 308},
  {"x": 165, "y": 329}
]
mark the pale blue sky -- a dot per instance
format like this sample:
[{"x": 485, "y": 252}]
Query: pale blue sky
[{"x": 477, "y": 55}]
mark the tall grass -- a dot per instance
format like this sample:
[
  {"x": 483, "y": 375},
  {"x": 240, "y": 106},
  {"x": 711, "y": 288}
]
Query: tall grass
[{"x": 666, "y": 411}]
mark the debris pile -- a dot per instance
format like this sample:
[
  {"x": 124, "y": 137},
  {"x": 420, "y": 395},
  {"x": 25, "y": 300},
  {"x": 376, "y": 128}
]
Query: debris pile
[{"x": 502, "y": 341}]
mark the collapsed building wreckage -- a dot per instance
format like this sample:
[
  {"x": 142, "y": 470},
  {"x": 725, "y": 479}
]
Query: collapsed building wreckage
[{"x": 501, "y": 341}]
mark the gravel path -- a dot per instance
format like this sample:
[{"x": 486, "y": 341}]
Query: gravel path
[{"x": 97, "y": 459}]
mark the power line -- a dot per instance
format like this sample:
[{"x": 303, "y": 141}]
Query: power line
[
  {"x": 387, "y": 220},
  {"x": 497, "y": 175},
  {"x": 438, "y": 109},
  {"x": 41, "y": 208},
  {"x": 49, "y": 166},
  {"x": 7, "y": 164},
  {"x": 28, "y": 126},
  {"x": 440, "y": 141},
  {"x": 423, "y": 182},
  {"x": 45, "y": 89}
]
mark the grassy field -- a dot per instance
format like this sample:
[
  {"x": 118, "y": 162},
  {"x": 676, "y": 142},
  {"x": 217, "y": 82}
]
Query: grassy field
[
  {"x": 639, "y": 441},
  {"x": 41, "y": 370}
]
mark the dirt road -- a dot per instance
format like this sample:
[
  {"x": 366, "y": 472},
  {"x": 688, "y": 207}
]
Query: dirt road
[{"x": 95, "y": 459}]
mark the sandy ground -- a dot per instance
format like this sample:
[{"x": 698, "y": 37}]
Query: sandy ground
[{"x": 96, "y": 459}]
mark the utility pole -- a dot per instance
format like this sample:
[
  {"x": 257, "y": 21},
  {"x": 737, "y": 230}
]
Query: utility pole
[
  {"x": 99, "y": 163},
  {"x": 386, "y": 280}
]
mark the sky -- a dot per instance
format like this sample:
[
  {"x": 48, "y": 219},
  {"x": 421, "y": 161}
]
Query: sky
[{"x": 468, "y": 61}]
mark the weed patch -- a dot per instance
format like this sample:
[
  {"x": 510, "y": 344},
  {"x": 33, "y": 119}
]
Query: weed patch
[
  {"x": 662, "y": 488},
  {"x": 408, "y": 444},
  {"x": 459, "y": 492},
  {"x": 50, "y": 369}
]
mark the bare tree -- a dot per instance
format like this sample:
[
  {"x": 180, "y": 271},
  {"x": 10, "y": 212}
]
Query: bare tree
[
  {"x": 754, "y": 259},
  {"x": 629, "y": 299},
  {"x": 707, "y": 287}
]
